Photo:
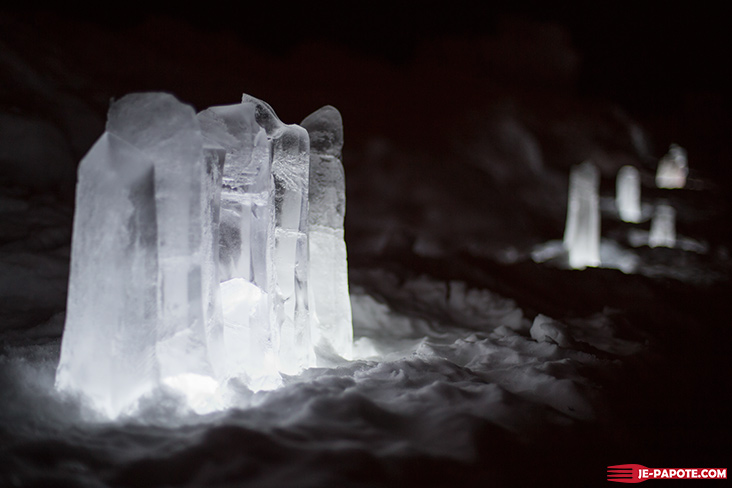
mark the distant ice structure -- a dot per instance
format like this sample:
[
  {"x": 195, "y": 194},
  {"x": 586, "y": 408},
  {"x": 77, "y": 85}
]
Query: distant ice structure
[
  {"x": 627, "y": 196},
  {"x": 141, "y": 301},
  {"x": 582, "y": 232},
  {"x": 672, "y": 168},
  {"x": 663, "y": 227},
  {"x": 332, "y": 329}
]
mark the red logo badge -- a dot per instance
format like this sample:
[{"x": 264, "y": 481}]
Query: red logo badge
[{"x": 636, "y": 473}]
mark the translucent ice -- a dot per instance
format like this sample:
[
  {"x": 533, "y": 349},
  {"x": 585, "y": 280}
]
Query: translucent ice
[
  {"x": 290, "y": 146},
  {"x": 332, "y": 328},
  {"x": 582, "y": 232},
  {"x": 247, "y": 195},
  {"x": 112, "y": 305},
  {"x": 142, "y": 302},
  {"x": 672, "y": 168},
  {"x": 627, "y": 195},
  {"x": 663, "y": 227},
  {"x": 247, "y": 340},
  {"x": 214, "y": 158},
  {"x": 246, "y": 237},
  {"x": 168, "y": 132}
]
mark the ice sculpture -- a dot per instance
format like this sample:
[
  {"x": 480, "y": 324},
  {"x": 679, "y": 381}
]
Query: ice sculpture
[
  {"x": 190, "y": 253},
  {"x": 332, "y": 328},
  {"x": 627, "y": 194},
  {"x": 663, "y": 227},
  {"x": 672, "y": 168},
  {"x": 582, "y": 232},
  {"x": 142, "y": 300},
  {"x": 247, "y": 240},
  {"x": 290, "y": 171}
]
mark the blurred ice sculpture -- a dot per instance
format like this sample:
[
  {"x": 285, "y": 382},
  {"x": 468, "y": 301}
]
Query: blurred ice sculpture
[
  {"x": 663, "y": 227},
  {"x": 330, "y": 304},
  {"x": 582, "y": 232},
  {"x": 627, "y": 196},
  {"x": 142, "y": 300},
  {"x": 672, "y": 168}
]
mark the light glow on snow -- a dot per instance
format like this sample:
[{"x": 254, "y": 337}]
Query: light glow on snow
[{"x": 198, "y": 391}]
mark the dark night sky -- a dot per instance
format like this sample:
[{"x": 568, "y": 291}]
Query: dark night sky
[
  {"x": 626, "y": 46},
  {"x": 664, "y": 63},
  {"x": 646, "y": 54}
]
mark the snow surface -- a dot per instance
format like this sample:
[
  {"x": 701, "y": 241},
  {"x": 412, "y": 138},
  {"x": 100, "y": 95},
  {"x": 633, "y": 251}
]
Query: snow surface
[{"x": 474, "y": 364}]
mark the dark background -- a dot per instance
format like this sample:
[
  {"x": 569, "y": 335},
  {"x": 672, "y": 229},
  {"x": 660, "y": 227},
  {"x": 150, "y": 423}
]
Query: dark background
[
  {"x": 645, "y": 53},
  {"x": 665, "y": 64}
]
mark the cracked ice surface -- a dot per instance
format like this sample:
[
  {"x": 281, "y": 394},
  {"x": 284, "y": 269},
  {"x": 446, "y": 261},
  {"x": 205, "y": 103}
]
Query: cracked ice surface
[
  {"x": 290, "y": 171},
  {"x": 246, "y": 242}
]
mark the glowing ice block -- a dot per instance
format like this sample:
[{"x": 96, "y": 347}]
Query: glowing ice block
[
  {"x": 247, "y": 239},
  {"x": 290, "y": 146},
  {"x": 142, "y": 303},
  {"x": 331, "y": 322},
  {"x": 582, "y": 232},
  {"x": 627, "y": 194},
  {"x": 214, "y": 158},
  {"x": 672, "y": 168},
  {"x": 663, "y": 227}
]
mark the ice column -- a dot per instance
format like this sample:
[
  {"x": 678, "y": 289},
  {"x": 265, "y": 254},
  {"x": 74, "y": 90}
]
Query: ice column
[
  {"x": 672, "y": 168},
  {"x": 627, "y": 196},
  {"x": 214, "y": 159},
  {"x": 582, "y": 232},
  {"x": 290, "y": 170},
  {"x": 168, "y": 132},
  {"x": 246, "y": 242},
  {"x": 112, "y": 303},
  {"x": 332, "y": 328},
  {"x": 663, "y": 227},
  {"x": 141, "y": 302}
]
